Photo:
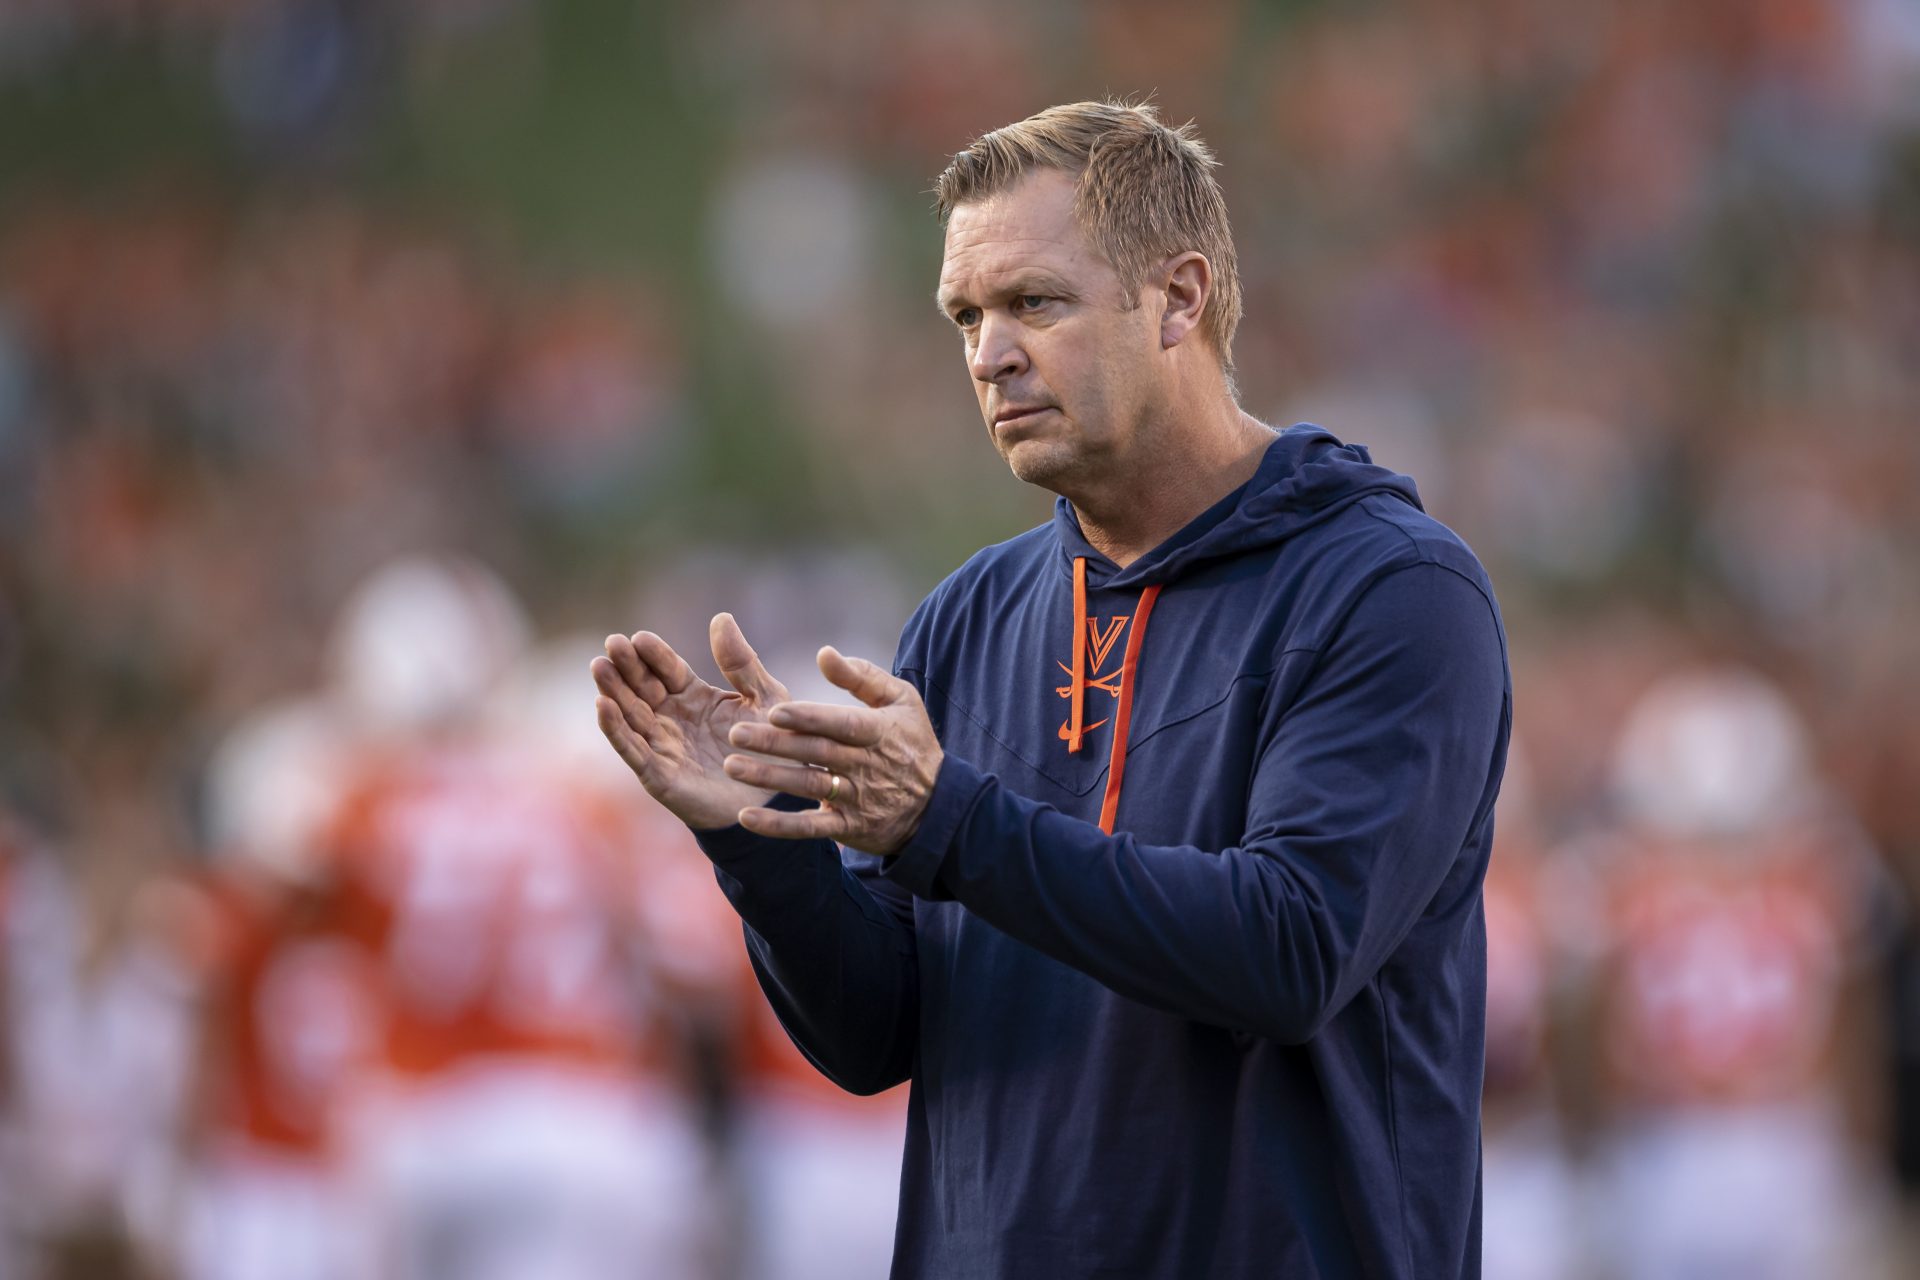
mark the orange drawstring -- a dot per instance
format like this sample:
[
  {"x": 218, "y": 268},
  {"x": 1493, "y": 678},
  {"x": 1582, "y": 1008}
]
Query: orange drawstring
[
  {"x": 1116, "y": 770},
  {"x": 1076, "y": 714},
  {"x": 1077, "y": 692}
]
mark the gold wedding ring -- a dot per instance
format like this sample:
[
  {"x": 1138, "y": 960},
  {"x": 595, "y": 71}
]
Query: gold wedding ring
[{"x": 833, "y": 788}]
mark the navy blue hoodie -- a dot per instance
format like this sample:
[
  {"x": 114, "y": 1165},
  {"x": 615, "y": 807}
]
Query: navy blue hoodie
[{"x": 1241, "y": 1035}]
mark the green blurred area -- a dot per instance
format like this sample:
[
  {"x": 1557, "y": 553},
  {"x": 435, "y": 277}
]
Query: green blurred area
[
  {"x": 1576, "y": 272},
  {"x": 564, "y": 139}
]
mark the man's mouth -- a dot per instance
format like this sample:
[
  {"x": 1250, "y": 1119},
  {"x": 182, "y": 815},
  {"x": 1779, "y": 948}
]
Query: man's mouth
[{"x": 1019, "y": 413}]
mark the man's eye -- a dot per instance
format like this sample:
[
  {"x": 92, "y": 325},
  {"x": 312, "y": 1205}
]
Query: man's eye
[
  {"x": 966, "y": 317},
  {"x": 1033, "y": 301}
]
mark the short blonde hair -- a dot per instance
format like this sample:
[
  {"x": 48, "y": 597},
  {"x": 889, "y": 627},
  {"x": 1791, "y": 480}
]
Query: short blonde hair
[{"x": 1143, "y": 191}]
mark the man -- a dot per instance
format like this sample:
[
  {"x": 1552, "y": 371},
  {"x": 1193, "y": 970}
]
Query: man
[{"x": 1176, "y": 930}]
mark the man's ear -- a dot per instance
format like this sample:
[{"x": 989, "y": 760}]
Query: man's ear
[{"x": 1189, "y": 288}]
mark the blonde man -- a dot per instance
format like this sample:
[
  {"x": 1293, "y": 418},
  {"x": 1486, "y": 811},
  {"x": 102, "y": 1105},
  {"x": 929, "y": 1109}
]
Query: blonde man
[{"x": 1164, "y": 839}]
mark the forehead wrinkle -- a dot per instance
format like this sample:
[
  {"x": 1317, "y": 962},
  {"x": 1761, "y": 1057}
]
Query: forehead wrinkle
[
  {"x": 1008, "y": 255},
  {"x": 1009, "y": 279},
  {"x": 1029, "y": 257},
  {"x": 1000, "y": 228},
  {"x": 1021, "y": 230}
]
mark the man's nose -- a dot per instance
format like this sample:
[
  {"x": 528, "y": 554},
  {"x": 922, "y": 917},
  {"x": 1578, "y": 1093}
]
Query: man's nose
[{"x": 998, "y": 353}]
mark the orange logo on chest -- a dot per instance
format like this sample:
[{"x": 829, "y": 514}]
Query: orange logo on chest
[{"x": 1099, "y": 640}]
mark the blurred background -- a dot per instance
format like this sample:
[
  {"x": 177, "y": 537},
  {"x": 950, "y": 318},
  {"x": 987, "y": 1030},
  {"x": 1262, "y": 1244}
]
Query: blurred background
[{"x": 364, "y": 362}]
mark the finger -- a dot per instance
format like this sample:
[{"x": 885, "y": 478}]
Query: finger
[
  {"x": 794, "y": 779},
  {"x": 641, "y": 719},
  {"x": 626, "y": 743},
  {"x": 672, "y": 669},
  {"x": 619, "y": 733},
  {"x": 637, "y": 675},
  {"x": 805, "y": 747},
  {"x": 856, "y": 726},
  {"x": 607, "y": 679},
  {"x": 807, "y": 824},
  {"x": 739, "y": 663},
  {"x": 867, "y": 681}
]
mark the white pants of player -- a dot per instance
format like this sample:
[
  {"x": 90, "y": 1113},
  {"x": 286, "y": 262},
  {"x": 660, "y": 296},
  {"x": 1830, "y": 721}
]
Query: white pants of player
[
  {"x": 1531, "y": 1224},
  {"x": 1744, "y": 1193},
  {"x": 514, "y": 1173},
  {"x": 255, "y": 1214},
  {"x": 823, "y": 1185}
]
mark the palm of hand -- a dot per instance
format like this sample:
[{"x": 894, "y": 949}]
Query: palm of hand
[
  {"x": 690, "y": 745},
  {"x": 671, "y": 727}
]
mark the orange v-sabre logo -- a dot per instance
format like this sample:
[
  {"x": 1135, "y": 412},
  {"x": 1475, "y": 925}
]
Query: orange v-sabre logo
[{"x": 1099, "y": 640}]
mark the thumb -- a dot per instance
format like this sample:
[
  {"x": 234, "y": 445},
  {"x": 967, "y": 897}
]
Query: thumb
[
  {"x": 739, "y": 663},
  {"x": 864, "y": 680}
]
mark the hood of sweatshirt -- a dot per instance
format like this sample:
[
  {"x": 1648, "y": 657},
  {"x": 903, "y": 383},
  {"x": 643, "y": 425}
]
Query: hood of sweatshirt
[{"x": 1306, "y": 475}]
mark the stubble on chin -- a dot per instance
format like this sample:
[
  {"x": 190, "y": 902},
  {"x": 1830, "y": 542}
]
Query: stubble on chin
[{"x": 1042, "y": 465}]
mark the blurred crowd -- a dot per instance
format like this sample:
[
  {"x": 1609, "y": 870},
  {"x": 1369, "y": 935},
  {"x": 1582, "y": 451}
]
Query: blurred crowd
[{"x": 333, "y": 943}]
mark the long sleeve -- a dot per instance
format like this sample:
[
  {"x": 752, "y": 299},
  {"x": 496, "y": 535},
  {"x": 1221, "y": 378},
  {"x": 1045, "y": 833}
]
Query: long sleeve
[
  {"x": 832, "y": 946},
  {"x": 1367, "y": 786}
]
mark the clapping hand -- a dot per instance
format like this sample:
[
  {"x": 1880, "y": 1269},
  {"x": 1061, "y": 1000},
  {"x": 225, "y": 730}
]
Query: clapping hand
[
  {"x": 871, "y": 767},
  {"x": 714, "y": 757},
  {"x": 670, "y": 726}
]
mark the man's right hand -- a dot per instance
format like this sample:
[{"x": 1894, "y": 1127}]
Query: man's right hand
[{"x": 671, "y": 727}]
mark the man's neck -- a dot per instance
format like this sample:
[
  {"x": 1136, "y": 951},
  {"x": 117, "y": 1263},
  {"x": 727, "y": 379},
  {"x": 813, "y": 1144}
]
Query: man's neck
[{"x": 1162, "y": 493}]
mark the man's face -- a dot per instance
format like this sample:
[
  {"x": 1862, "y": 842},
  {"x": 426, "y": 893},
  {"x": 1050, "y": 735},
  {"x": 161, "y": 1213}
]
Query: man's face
[{"x": 1066, "y": 374}]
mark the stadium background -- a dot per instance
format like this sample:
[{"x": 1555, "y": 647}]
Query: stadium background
[{"x": 630, "y": 302}]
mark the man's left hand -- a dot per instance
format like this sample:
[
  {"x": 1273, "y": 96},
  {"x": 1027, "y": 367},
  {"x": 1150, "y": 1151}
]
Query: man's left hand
[{"x": 872, "y": 768}]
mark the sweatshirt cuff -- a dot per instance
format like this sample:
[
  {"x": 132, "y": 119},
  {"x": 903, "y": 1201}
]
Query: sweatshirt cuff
[
  {"x": 917, "y": 865},
  {"x": 735, "y": 844}
]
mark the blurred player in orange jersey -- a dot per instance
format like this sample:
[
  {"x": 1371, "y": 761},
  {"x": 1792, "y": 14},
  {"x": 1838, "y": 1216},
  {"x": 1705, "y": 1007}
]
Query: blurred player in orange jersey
[
  {"x": 818, "y": 1167},
  {"x": 291, "y": 1012},
  {"x": 822, "y": 1165},
  {"x": 808, "y": 1160},
  {"x": 686, "y": 939},
  {"x": 1733, "y": 899},
  {"x": 525, "y": 1118},
  {"x": 796, "y": 1142}
]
